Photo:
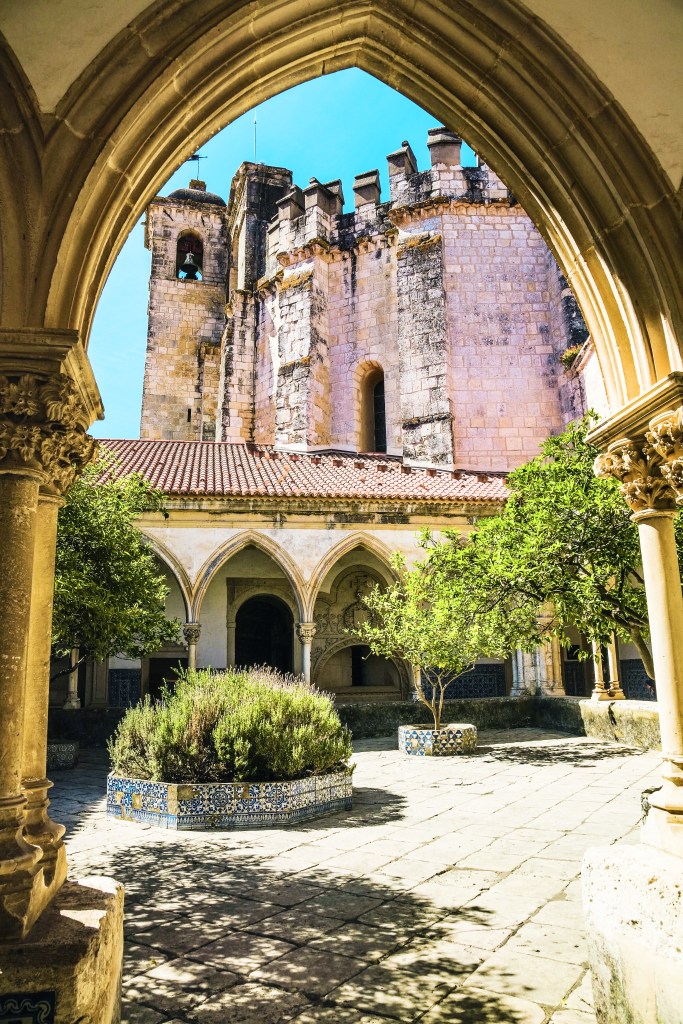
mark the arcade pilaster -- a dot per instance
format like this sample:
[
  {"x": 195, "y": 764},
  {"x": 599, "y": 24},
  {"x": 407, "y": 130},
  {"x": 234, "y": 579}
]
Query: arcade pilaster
[
  {"x": 650, "y": 470},
  {"x": 47, "y": 400},
  {"x": 306, "y": 631},
  {"x": 191, "y": 634}
]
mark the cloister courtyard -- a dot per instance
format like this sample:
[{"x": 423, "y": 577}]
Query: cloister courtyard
[{"x": 451, "y": 891}]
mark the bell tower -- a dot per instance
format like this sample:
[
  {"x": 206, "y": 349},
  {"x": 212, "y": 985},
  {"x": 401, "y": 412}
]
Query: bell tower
[{"x": 186, "y": 233}]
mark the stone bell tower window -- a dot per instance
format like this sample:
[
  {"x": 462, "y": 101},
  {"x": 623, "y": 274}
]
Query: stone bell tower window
[{"x": 189, "y": 257}]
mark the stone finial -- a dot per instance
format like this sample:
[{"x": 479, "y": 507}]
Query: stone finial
[
  {"x": 319, "y": 195},
  {"x": 366, "y": 188},
  {"x": 291, "y": 206},
  {"x": 444, "y": 147},
  {"x": 198, "y": 185},
  {"x": 402, "y": 162},
  {"x": 335, "y": 187}
]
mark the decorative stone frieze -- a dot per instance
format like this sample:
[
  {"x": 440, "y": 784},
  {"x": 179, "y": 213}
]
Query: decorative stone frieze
[{"x": 43, "y": 427}]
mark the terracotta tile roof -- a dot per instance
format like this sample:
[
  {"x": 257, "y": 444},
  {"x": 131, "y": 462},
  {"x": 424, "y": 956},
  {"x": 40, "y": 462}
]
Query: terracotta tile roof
[{"x": 217, "y": 469}]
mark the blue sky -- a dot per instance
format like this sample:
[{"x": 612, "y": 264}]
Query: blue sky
[{"x": 333, "y": 127}]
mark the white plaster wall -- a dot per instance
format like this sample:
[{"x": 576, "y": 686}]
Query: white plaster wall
[{"x": 212, "y": 648}]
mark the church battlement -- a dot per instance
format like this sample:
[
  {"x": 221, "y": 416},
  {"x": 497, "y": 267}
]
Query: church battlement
[{"x": 427, "y": 325}]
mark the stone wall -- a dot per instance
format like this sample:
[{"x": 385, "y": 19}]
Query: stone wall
[
  {"x": 448, "y": 289},
  {"x": 186, "y": 320}
]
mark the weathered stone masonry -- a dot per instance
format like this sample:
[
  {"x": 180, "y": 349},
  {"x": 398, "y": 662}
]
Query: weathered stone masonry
[{"x": 447, "y": 290}]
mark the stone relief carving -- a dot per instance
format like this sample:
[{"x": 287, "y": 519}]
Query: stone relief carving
[
  {"x": 665, "y": 436},
  {"x": 639, "y": 468},
  {"x": 42, "y": 425},
  {"x": 191, "y": 632}
]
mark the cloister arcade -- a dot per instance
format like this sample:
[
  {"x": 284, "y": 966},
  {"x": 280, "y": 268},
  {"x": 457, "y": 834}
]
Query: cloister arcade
[{"x": 98, "y": 106}]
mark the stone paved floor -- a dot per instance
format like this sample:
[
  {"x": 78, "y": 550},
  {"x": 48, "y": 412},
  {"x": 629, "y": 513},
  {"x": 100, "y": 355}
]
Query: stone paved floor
[{"x": 449, "y": 894}]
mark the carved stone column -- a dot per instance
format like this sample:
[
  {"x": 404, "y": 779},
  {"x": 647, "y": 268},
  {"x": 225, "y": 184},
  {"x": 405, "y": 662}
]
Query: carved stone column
[
  {"x": 191, "y": 633},
  {"x": 42, "y": 444},
  {"x": 306, "y": 631},
  {"x": 650, "y": 471},
  {"x": 615, "y": 690},
  {"x": 600, "y": 690},
  {"x": 73, "y": 701}
]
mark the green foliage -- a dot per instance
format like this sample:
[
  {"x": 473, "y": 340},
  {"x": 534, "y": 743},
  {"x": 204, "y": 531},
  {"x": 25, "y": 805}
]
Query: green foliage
[
  {"x": 431, "y": 618},
  {"x": 565, "y": 544},
  {"x": 562, "y": 553},
  {"x": 109, "y": 594},
  {"x": 233, "y": 726}
]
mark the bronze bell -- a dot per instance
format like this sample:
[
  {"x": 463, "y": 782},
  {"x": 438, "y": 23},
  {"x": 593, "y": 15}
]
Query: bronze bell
[{"x": 189, "y": 268}]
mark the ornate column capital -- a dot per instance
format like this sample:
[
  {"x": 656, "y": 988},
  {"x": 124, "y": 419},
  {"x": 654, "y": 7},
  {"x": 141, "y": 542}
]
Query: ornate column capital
[
  {"x": 191, "y": 632},
  {"x": 43, "y": 427},
  {"x": 640, "y": 469},
  {"x": 665, "y": 437},
  {"x": 305, "y": 631}
]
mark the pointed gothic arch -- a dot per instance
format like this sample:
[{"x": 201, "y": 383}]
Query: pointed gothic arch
[
  {"x": 499, "y": 76},
  {"x": 175, "y": 568},
  {"x": 250, "y": 538}
]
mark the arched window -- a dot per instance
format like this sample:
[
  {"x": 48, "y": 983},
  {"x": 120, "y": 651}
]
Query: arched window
[
  {"x": 373, "y": 432},
  {"x": 189, "y": 269}
]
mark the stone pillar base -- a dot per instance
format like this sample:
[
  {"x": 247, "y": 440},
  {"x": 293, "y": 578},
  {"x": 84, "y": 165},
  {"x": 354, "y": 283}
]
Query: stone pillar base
[
  {"x": 633, "y": 901},
  {"x": 71, "y": 959}
]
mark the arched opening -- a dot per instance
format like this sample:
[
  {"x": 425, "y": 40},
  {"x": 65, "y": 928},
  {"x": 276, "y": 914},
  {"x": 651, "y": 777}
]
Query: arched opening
[
  {"x": 373, "y": 424},
  {"x": 189, "y": 258},
  {"x": 264, "y": 633}
]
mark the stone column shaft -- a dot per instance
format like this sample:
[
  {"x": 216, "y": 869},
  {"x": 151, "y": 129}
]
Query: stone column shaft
[
  {"x": 232, "y": 628},
  {"x": 40, "y": 830},
  {"x": 650, "y": 469},
  {"x": 18, "y": 858},
  {"x": 600, "y": 690},
  {"x": 73, "y": 701},
  {"x": 191, "y": 632},
  {"x": 48, "y": 397},
  {"x": 665, "y": 612}
]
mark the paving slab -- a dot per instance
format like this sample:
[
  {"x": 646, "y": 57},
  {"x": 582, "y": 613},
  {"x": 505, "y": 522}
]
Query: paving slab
[{"x": 449, "y": 893}]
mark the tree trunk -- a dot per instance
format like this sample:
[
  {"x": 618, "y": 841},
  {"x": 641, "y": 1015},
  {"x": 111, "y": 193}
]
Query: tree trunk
[{"x": 643, "y": 651}]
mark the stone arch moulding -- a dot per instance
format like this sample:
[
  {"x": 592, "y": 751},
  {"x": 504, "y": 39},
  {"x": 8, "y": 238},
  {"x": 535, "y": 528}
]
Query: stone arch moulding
[
  {"x": 499, "y": 75},
  {"x": 176, "y": 569},
  {"x": 362, "y": 541},
  {"x": 262, "y": 591},
  {"x": 232, "y": 547}
]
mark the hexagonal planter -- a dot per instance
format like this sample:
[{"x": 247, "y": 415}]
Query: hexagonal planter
[
  {"x": 421, "y": 741},
  {"x": 227, "y": 805}
]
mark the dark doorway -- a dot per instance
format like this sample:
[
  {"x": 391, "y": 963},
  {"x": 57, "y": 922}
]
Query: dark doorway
[
  {"x": 369, "y": 669},
  {"x": 163, "y": 671},
  {"x": 264, "y": 634}
]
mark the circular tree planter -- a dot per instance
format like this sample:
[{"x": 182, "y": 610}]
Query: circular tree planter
[
  {"x": 227, "y": 805},
  {"x": 449, "y": 740}
]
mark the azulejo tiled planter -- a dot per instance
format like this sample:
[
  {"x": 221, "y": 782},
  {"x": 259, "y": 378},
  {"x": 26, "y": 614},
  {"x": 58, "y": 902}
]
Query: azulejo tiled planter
[
  {"x": 62, "y": 755},
  {"x": 421, "y": 741},
  {"x": 227, "y": 805}
]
